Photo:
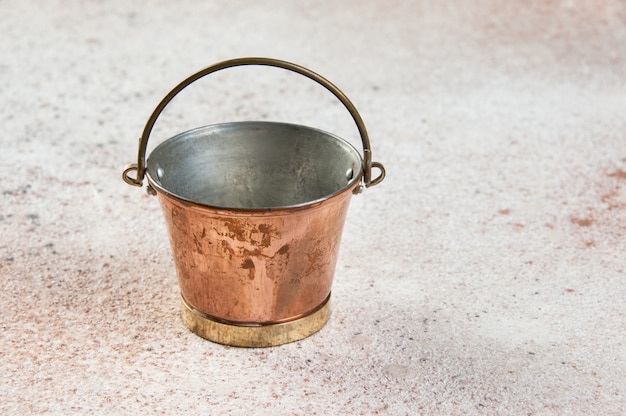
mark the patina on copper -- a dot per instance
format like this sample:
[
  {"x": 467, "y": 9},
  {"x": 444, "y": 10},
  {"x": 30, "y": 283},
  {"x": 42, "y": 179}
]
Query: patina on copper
[{"x": 255, "y": 267}]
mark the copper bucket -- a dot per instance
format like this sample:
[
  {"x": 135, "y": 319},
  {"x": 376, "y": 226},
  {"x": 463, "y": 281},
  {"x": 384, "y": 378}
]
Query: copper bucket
[{"x": 255, "y": 212}]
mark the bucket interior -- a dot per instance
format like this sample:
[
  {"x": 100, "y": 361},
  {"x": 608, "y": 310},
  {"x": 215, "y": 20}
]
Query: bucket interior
[{"x": 254, "y": 165}]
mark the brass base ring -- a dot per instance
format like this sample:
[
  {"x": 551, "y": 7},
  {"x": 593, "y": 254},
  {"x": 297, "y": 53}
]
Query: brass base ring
[{"x": 243, "y": 335}]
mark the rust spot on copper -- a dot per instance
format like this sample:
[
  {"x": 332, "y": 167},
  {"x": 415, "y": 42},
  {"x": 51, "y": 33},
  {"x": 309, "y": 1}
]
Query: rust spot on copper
[
  {"x": 284, "y": 249},
  {"x": 248, "y": 264},
  {"x": 504, "y": 211},
  {"x": 266, "y": 240},
  {"x": 236, "y": 228},
  {"x": 227, "y": 249},
  {"x": 198, "y": 243},
  {"x": 247, "y": 231}
]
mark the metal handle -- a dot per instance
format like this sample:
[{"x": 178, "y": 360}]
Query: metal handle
[{"x": 140, "y": 166}]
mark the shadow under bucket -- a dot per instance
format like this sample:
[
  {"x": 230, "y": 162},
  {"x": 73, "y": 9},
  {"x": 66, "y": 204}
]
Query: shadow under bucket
[{"x": 255, "y": 213}]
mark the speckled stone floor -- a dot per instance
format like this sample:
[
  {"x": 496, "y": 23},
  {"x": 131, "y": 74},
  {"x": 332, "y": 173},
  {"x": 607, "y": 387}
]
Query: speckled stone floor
[{"x": 485, "y": 275}]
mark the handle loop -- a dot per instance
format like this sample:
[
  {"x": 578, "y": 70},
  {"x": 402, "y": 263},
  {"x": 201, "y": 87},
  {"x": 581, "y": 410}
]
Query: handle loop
[{"x": 140, "y": 166}]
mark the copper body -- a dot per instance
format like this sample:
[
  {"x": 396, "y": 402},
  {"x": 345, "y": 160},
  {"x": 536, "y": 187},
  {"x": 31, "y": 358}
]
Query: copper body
[{"x": 255, "y": 267}]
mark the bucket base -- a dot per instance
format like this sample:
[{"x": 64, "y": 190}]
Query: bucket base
[{"x": 255, "y": 335}]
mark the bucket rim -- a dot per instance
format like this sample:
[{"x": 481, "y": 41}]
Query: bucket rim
[{"x": 353, "y": 184}]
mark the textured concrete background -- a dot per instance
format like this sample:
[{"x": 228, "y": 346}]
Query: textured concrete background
[{"x": 485, "y": 275}]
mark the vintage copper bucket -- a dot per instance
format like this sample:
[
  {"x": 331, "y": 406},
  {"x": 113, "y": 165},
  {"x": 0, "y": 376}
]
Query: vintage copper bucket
[{"x": 255, "y": 212}]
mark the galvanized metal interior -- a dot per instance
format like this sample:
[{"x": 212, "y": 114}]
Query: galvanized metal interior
[{"x": 254, "y": 165}]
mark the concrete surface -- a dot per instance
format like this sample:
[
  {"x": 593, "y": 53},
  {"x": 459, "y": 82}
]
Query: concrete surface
[{"x": 485, "y": 275}]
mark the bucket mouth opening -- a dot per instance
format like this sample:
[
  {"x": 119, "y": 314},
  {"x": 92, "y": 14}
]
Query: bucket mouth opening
[{"x": 254, "y": 165}]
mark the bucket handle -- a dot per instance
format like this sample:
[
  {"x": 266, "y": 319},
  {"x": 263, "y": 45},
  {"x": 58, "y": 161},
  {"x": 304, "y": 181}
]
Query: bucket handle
[{"x": 140, "y": 166}]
